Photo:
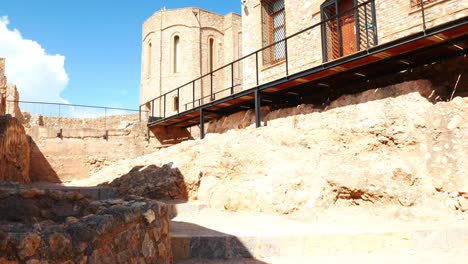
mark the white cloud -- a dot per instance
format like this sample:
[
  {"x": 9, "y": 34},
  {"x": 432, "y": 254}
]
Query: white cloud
[{"x": 39, "y": 76}]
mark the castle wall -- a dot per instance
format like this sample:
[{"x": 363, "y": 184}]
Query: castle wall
[{"x": 195, "y": 28}]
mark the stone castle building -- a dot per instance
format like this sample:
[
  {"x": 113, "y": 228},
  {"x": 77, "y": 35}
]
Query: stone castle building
[{"x": 181, "y": 45}]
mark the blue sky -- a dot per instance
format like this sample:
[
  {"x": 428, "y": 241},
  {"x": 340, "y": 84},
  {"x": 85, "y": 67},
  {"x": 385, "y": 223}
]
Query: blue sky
[{"x": 99, "y": 40}]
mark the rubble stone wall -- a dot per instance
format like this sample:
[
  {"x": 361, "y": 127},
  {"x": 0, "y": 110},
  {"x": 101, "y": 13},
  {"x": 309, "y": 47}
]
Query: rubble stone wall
[
  {"x": 14, "y": 151},
  {"x": 58, "y": 227}
]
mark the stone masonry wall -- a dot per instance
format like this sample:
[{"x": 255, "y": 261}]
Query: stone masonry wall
[
  {"x": 395, "y": 19},
  {"x": 14, "y": 151},
  {"x": 39, "y": 226},
  {"x": 65, "y": 149},
  {"x": 194, "y": 27}
]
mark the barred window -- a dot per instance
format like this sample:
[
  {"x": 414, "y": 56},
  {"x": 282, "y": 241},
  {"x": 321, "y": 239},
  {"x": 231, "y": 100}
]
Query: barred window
[
  {"x": 348, "y": 26},
  {"x": 273, "y": 30},
  {"x": 417, "y": 3}
]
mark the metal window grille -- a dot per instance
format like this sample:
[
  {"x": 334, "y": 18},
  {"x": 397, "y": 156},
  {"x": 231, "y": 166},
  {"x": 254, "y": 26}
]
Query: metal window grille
[
  {"x": 417, "y": 3},
  {"x": 273, "y": 30},
  {"x": 349, "y": 26}
]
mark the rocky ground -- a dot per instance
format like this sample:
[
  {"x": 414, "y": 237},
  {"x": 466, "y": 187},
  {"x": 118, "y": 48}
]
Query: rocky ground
[{"x": 394, "y": 153}]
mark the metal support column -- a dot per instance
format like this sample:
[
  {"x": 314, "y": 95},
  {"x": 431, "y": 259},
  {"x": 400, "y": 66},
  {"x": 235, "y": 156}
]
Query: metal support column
[
  {"x": 202, "y": 124},
  {"x": 257, "y": 108}
]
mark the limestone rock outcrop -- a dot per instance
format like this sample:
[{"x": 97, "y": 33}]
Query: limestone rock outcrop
[
  {"x": 14, "y": 151},
  {"x": 392, "y": 147},
  {"x": 162, "y": 183}
]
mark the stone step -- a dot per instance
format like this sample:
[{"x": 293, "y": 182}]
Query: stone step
[
  {"x": 182, "y": 208},
  {"x": 221, "y": 236},
  {"x": 414, "y": 257}
]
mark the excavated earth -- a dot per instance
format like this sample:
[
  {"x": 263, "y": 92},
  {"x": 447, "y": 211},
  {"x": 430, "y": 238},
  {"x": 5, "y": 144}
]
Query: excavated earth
[{"x": 396, "y": 153}]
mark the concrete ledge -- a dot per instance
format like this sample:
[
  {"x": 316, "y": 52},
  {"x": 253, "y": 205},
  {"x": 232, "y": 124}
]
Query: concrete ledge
[{"x": 225, "y": 246}]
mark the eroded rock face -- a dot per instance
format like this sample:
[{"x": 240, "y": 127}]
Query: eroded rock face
[
  {"x": 154, "y": 182},
  {"x": 58, "y": 227},
  {"x": 388, "y": 147},
  {"x": 14, "y": 151}
]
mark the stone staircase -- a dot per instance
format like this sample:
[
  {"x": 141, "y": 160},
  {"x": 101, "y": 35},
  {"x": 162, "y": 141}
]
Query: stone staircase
[{"x": 203, "y": 235}]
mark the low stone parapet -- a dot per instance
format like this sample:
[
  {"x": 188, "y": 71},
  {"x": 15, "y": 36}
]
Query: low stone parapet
[{"x": 51, "y": 226}]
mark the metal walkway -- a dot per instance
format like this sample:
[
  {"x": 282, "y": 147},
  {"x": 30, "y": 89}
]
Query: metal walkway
[{"x": 425, "y": 47}]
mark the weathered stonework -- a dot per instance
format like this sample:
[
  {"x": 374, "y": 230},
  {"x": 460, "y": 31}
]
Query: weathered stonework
[
  {"x": 9, "y": 95},
  {"x": 14, "y": 151},
  {"x": 195, "y": 28},
  {"x": 38, "y": 226},
  {"x": 395, "y": 19},
  {"x": 67, "y": 149}
]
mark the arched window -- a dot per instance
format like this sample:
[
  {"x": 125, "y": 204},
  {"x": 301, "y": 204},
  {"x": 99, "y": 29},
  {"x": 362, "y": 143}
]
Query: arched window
[
  {"x": 211, "y": 54},
  {"x": 176, "y": 54},
  {"x": 149, "y": 60}
]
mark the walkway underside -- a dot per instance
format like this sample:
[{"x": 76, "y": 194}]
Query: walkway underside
[{"x": 436, "y": 44}]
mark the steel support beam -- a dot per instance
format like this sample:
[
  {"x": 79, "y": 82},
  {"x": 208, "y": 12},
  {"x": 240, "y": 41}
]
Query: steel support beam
[
  {"x": 202, "y": 123},
  {"x": 258, "y": 101}
]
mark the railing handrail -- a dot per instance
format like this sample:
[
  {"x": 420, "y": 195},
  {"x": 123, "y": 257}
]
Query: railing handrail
[
  {"x": 77, "y": 105},
  {"x": 262, "y": 49}
]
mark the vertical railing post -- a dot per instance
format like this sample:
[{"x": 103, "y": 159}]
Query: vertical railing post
[
  {"x": 257, "y": 108},
  {"x": 338, "y": 33},
  {"x": 178, "y": 100},
  {"x": 152, "y": 108},
  {"x": 423, "y": 15},
  {"x": 164, "y": 116},
  {"x": 211, "y": 86},
  {"x": 202, "y": 124},
  {"x": 256, "y": 66},
  {"x": 374, "y": 23},
  {"x": 323, "y": 29},
  {"x": 193, "y": 94},
  {"x": 232, "y": 78},
  {"x": 286, "y": 56}
]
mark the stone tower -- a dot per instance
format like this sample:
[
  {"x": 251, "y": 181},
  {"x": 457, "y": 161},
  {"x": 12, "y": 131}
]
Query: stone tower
[{"x": 179, "y": 46}]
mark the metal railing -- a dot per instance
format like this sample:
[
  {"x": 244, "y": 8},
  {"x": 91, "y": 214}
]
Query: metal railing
[
  {"x": 202, "y": 90},
  {"x": 61, "y": 114}
]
